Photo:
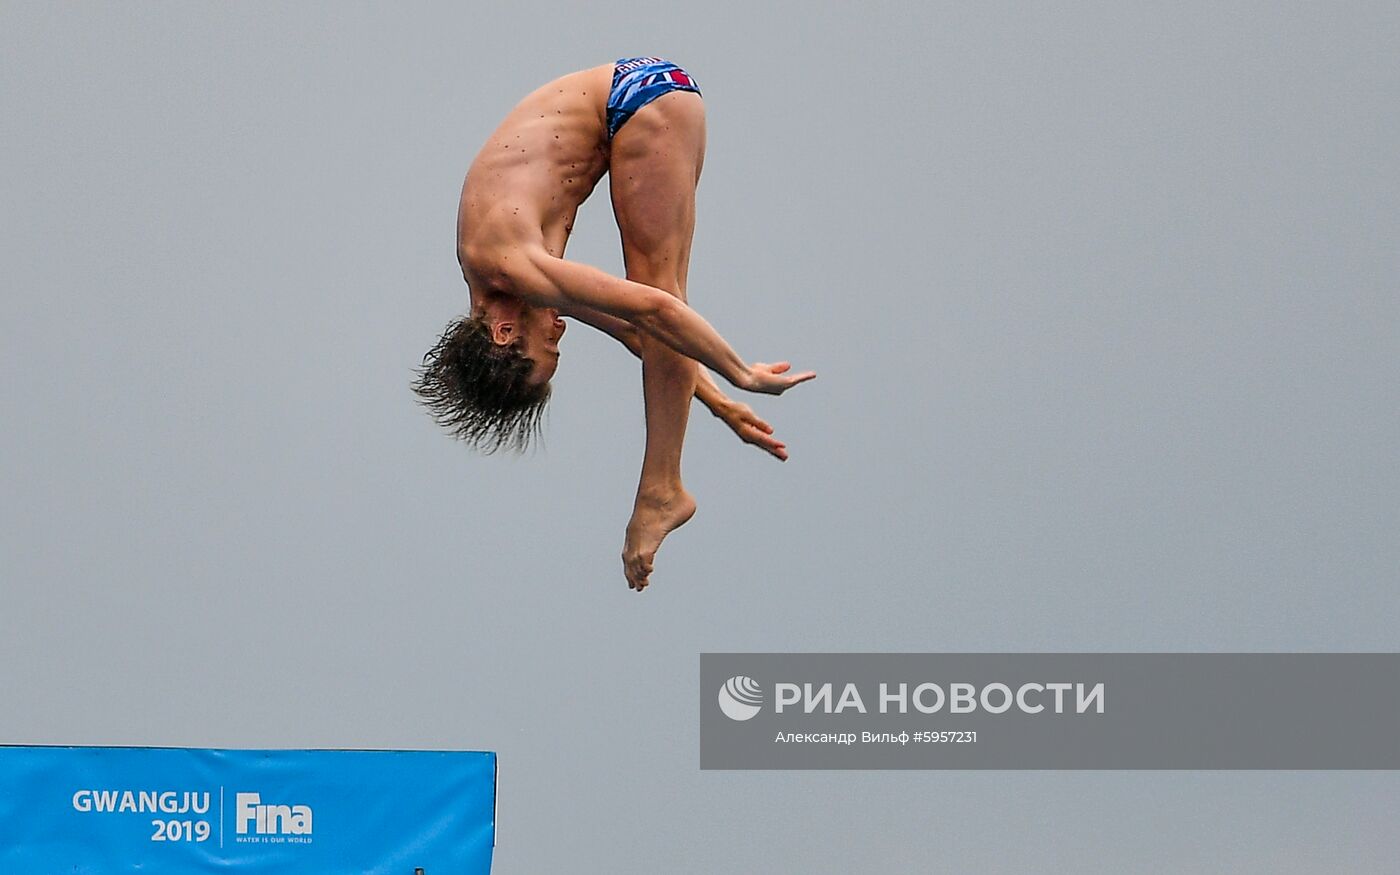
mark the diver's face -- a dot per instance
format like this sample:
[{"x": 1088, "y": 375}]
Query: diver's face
[
  {"x": 537, "y": 330},
  {"x": 540, "y": 329}
]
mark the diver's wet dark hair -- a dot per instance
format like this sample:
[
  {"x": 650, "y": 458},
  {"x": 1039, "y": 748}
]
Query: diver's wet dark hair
[{"x": 479, "y": 389}]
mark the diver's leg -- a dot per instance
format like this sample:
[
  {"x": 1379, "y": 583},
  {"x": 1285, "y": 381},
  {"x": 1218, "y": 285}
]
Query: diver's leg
[{"x": 655, "y": 167}]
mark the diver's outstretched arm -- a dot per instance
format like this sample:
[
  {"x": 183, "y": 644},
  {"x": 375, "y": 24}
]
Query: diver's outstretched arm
[{"x": 546, "y": 281}]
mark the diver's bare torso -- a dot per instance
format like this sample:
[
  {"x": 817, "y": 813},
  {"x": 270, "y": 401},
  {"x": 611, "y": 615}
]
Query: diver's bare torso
[{"x": 527, "y": 182}]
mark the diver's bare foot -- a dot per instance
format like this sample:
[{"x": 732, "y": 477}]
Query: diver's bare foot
[{"x": 655, "y": 515}]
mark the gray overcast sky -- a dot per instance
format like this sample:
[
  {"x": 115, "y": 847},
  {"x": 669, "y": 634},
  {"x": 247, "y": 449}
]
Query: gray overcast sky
[{"x": 1103, "y": 302}]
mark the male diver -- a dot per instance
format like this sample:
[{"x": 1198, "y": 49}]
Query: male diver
[{"x": 487, "y": 379}]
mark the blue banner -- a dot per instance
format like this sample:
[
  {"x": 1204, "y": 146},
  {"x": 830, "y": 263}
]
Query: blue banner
[{"x": 172, "y": 811}]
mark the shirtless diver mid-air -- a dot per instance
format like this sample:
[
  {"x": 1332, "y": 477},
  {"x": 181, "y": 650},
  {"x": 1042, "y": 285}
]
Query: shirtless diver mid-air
[{"x": 487, "y": 378}]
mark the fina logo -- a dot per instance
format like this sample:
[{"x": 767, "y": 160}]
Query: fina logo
[
  {"x": 740, "y": 698},
  {"x": 271, "y": 819}
]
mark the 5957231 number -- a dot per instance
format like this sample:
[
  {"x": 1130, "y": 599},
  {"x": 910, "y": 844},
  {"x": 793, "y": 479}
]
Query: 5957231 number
[{"x": 958, "y": 736}]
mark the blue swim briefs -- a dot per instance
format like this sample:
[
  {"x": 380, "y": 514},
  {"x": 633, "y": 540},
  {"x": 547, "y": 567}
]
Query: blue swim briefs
[{"x": 639, "y": 81}]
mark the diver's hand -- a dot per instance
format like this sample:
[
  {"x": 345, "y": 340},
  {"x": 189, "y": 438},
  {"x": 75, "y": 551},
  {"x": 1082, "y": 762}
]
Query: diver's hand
[
  {"x": 751, "y": 429},
  {"x": 774, "y": 379}
]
